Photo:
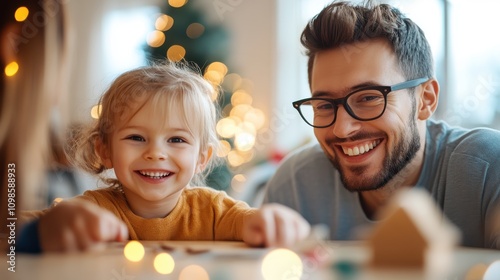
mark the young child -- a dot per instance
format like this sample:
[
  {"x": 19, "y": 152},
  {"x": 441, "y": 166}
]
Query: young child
[{"x": 156, "y": 130}]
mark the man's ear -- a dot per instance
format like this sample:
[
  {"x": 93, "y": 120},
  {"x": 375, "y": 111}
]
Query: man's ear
[
  {"x": 204, "y": 159},
  {"x": 429, "y": 98},
  {"x": 103, "y": 153}
]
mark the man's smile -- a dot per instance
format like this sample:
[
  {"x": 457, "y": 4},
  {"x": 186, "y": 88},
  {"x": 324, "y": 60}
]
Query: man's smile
[{"x": 360, "y": 148}]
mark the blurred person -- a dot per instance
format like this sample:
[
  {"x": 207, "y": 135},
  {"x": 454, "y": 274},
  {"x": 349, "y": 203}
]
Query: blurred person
[
  {"x": 34, "y": 64},
  {"x": 35, "y": 46}
]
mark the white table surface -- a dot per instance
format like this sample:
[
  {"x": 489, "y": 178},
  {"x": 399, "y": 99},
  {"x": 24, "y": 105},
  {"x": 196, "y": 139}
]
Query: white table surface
[{"x": 226, "y": 261}]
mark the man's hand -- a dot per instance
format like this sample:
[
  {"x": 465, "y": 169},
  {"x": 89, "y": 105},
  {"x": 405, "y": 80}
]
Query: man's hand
[
  {"x": 275, "y": 225},
  {"x": 79, "y": 226}
]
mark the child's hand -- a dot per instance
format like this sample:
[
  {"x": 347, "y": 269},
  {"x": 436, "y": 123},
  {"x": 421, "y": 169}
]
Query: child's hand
[
  {"x": 274, "y": 225},
  {"x": 79, "y": 226}
]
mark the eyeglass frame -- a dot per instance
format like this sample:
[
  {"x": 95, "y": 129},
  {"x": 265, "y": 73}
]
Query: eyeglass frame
[{"x": 384, "y": 90}]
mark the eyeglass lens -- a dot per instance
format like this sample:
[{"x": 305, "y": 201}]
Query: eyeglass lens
[{"x": 362, "y": 105}]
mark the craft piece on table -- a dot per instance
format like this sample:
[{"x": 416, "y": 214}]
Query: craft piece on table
[{"x": 412, "y": 232}]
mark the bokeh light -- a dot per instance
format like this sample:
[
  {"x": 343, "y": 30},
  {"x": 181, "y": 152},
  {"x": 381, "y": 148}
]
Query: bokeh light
[
  {"x": 134, "y": 251},
  {"x": 164, "y": 263},
  {"x": 226, "y": 127},
  {"x": 164, "y": 22},
  {"x": 218, "y": 67},
  {"x": 11, "y": 69},
  {"x": 193, "y": 271},
  {"x": 176, "y": 53},
  {"x": 225, "y": 148},
  {"x": 21, "y": 14},
  {"x": 241, "y": 97},
  {"x": 238, "y": 182},
  {"x": 155, "y": 38},
  {"x": 282, "y": 264},
  {"x": 232, "y": 82},
  {"x": 493, "y": 271},
  {"x": 95, "y": 112},
  {"x": 214, "y": 77},
  {"x": 256, "y": 117},
  {"x": 195, "y": 30},
  {"x": 177, "y": 3},
  {"x": 245, "y": 136},
  {"x": 235, "y": 159}
]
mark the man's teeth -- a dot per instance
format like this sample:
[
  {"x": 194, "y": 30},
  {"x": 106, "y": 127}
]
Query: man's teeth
[
  {"x": 360, "y": 149},
  {"x": 154, "y": 175}
]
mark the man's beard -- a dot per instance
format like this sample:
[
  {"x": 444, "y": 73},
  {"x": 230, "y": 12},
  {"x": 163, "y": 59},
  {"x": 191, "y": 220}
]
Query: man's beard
[{"x": 402, "y": 154}]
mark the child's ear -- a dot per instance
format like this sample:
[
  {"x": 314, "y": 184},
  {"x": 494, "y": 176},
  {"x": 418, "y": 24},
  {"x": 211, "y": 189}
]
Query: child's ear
[
  {"x": 103, "y": 153},
  {"x": 203, "y": 160}
]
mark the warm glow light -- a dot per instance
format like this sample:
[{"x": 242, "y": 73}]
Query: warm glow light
[
  {"x": 164, "y": 22},
  {"x": 238, "y": 182},
  {"x": 176, "y": 53},
  {"x": 226, "y": 127},
  {"x": 156, "y": 38},
  {"x": 244, "y": 141},
  {"x": 164, "y": 263},
  {"x": 234, "y": 158},
  {"x": 177, "y": 3},
  {"x": 256, "y": 117},
  {"x": 218, "y": 67},
  {"x": 11, "y": 69},
  {"x": 240, "y": 110},
  {"x": 232, "y": 82},
  {"x": 225, "y": 148},
  {"x": 195, "y": 30},
  {"x": 134, "y": 251},
  {"x": 214, "y": 77},
  {"x": 282, "y": 264},
  {"x": 241, "y": 97},
  {"x": 21, "y": 13},
  {"x": 193, "y": 272},
  {"x": 95, "y": 112}
]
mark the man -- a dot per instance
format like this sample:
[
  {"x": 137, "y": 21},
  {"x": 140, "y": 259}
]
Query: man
[{"x": 373, "y": 91}]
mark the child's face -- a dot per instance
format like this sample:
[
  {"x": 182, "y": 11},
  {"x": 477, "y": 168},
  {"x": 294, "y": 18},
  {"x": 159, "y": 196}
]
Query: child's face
[{"x": 154, "y": 158}]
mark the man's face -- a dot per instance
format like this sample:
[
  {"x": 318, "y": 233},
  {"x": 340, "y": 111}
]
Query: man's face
[{"x": 367, "y": 154}]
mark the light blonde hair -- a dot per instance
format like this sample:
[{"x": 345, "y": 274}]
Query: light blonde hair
[
  {"x": 168, "y": 87},
  {"x": 28, "y": 98}
]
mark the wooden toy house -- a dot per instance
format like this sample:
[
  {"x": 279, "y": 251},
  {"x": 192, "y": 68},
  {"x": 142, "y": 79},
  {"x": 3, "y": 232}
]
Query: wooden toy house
[{"x": 411, "y": 232}]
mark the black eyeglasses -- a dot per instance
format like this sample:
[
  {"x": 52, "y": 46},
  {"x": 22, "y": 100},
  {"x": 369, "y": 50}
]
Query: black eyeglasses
[{"x": 363, "y": 104}]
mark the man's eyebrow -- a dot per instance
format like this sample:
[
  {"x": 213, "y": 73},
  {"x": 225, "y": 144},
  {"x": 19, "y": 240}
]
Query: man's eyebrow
[{"x": 345, "y": 91}]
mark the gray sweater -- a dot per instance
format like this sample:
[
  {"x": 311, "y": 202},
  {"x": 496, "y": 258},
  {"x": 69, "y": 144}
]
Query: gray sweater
[{"x": 461, "y": 171}]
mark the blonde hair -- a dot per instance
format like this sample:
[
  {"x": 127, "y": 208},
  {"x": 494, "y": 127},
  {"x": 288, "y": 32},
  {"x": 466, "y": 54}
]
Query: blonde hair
[
  {"x": 168, "y": 87},
  {"x": 28, "y": 98}
]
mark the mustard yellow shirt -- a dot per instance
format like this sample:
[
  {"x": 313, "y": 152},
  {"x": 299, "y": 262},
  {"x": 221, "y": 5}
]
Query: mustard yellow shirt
[{"x": 200, "y": 214}]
